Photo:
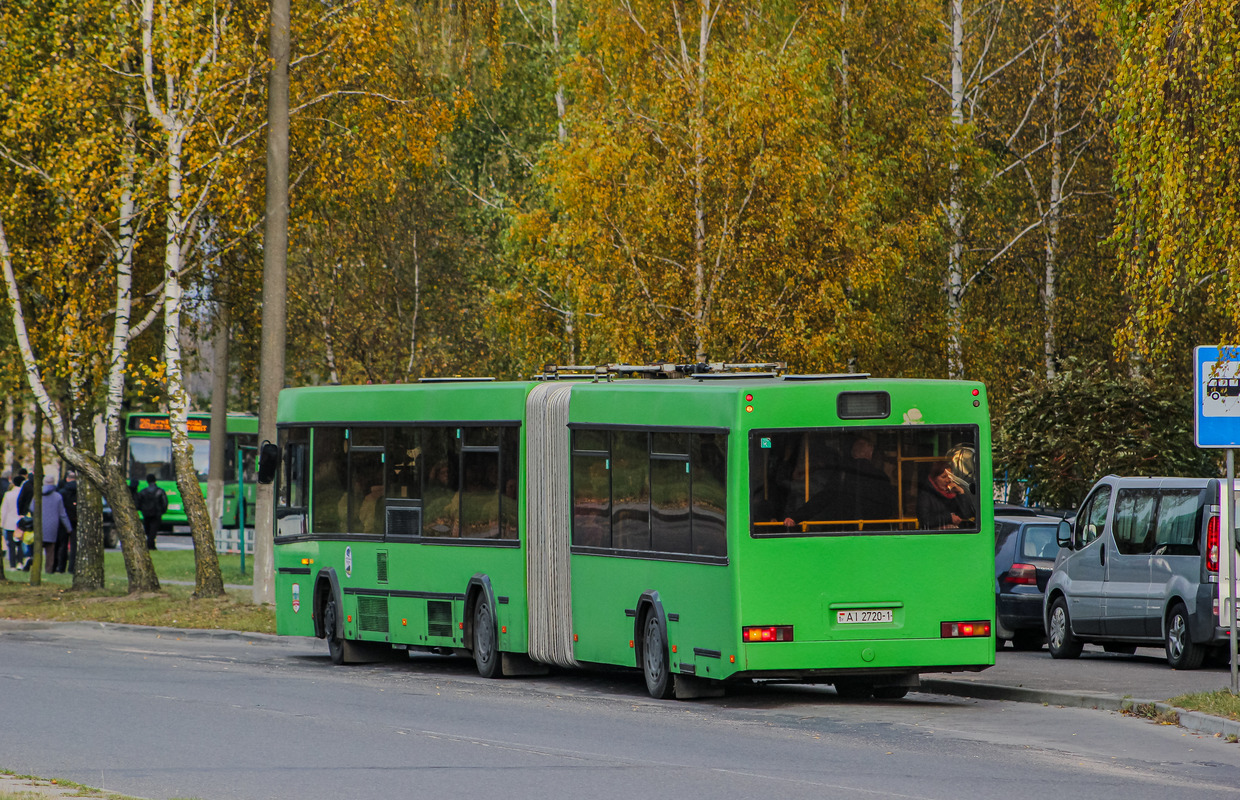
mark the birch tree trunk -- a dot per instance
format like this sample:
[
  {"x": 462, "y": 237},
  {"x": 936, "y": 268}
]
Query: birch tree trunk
[
  {"x": 208, "y": 581},
  {"x": 139, "y": 569},
  {"x": 954, "y": 285},
  {"x": 175, "y": 120},
  {"x": 1048, "y": 288},
  {"x": 698, "y": 125}
]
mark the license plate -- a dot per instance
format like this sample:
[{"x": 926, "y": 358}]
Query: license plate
[{"x": 861, "y": 616}]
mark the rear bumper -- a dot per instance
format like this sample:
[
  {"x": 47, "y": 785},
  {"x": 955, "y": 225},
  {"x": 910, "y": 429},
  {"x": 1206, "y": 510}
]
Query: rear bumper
[
  {"x": 1019, "y": 612},
  {"x": 865, "y": 656}
]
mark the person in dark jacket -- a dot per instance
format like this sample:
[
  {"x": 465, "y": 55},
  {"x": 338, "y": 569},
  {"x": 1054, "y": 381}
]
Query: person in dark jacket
[
  {"x": 25, "y": 496},
  {"x": 152, "y": 501},
  {"x": 941, "y": 503},
  {"x": 66, "y": 546}
]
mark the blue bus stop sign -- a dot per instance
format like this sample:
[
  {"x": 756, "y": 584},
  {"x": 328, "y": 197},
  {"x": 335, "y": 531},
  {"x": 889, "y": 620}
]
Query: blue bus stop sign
[{"x": 1216, "y": 394}]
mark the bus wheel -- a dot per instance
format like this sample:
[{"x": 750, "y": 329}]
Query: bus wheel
[
  {"x": 655, "y": 666},
  {"x": 854, "y": 689},
  {"x": 889, "y": 692},
  {"x": 486, "y": 651},
  {"x": 335, "y": 645}
]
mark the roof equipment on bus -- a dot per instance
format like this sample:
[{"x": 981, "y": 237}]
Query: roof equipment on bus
[
  {"x": 454, "y": 380},
  {"x": 703, "y": 369},
  {"x": 829, "y": 376}
]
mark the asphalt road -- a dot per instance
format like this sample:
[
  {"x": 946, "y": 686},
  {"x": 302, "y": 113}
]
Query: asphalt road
[
  {"x": 166, "y": 713},
  {"x": 1143, "y": 676}
]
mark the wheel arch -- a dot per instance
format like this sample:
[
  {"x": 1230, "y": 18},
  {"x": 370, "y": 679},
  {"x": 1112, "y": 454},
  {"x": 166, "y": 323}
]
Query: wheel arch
[
  {"x": 648, "y": 603},
  {"x": 479, "y": 586},
  {"x": 1051, "y": 596},
  {"x": 326, "y": 585},
  {"x": 1174, "y": 599}
]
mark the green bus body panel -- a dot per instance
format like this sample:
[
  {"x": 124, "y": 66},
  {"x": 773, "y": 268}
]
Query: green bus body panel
[
  {"x": 800, "y": 581},
  {"x": 441, "y": 571},
  {"x": 447, "y": 402}
]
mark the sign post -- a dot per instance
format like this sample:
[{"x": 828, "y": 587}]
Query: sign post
[{"x": 1216, "y": 393}]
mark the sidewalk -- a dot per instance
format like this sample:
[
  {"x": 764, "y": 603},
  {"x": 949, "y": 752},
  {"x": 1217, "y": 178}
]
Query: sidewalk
[{"x": 1099, "y": 680}]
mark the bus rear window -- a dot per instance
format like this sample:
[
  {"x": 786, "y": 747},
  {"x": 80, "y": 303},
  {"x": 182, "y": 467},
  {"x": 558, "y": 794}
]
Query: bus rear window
[{"x": 863, "y": 480}]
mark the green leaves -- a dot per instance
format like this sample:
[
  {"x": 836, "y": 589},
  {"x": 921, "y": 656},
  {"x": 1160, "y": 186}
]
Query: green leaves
[{"x": 1059, "y": 436}]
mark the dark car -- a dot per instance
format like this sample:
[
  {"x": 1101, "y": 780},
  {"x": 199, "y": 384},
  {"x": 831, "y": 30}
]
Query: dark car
[{"x": 1025, "y": 550}]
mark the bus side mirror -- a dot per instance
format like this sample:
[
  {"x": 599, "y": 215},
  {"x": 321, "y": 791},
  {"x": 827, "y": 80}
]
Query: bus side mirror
[
  {"x": 268, "y": 462},
  {"x": 1064, "y": 534}
]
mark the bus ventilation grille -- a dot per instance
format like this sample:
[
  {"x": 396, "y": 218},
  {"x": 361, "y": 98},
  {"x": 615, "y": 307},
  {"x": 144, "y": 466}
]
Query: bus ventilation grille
[
  {"x": 439, "y": 618},
  {"x": 372, "y": 614},
  {"x": 381, "y": 566},
  {"x": 404, "y": 521}
]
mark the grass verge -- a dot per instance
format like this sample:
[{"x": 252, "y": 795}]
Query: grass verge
[
  {"x": 1220, "y": 703},
  {"x": 29, "y": 787},
  {"x": 173, "y": 606}
]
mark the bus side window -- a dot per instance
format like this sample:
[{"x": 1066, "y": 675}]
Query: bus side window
[
  {"x": 293, "y": 486},
  {"x": 331, "y": 469},
  {"x": 403, "y": 463},
  {"x": 709, "y": 457}
]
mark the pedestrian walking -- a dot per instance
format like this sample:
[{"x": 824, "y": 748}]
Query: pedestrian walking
[
  {"x": 8, "y": 523},
  {"x": 152, "y": 501},
  {"x": 55, "y": 522},
  {"x": 66, "y": 546}
]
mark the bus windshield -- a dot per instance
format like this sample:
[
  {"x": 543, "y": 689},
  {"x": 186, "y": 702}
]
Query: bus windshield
[
  {"x": 869, "y": 480},
  {"x": 154, "y": 457}
]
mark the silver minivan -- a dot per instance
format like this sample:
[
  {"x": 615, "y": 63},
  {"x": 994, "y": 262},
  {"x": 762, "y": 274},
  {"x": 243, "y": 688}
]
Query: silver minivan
[{"x": 1139, "y": 566}]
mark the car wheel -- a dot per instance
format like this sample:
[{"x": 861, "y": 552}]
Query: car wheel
[
  {"x": 655, "y": 663},
  {"x": 1182, "y": 653},
  {"x": 1028, "y": 640},
  {"x": 1059, "y": 638},
  {"x": 486, "y": 650}
]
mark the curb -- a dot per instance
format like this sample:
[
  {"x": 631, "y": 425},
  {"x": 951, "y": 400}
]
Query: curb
[
  {"x": 156, "y": 630},
  {"x": 1195, "y": 721}
]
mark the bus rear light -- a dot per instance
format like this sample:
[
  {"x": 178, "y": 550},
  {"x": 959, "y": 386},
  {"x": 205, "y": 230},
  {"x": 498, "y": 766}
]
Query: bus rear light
[
  {"x": 1212, "y": 543},
  {"x": 1021, "y": 575},
  {"x": 962, "y": 630},
  {"x": 766, "y": 633}
]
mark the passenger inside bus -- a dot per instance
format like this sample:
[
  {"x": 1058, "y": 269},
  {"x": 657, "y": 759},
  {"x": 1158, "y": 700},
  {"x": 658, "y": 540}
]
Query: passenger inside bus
[
  {"x": 941, "y": 503},
  {"x": 866, "y": 485}
]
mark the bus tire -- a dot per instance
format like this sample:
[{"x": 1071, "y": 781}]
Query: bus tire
[
  {"x": 486, "y": 641},
  {"x": 856, "y": 689},
  {"x": 656, "y": 667},
  {"x": 331, "y": 619}
]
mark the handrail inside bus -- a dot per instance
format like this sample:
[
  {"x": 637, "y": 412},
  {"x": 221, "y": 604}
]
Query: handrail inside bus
[{"x": 859, "y": 523}]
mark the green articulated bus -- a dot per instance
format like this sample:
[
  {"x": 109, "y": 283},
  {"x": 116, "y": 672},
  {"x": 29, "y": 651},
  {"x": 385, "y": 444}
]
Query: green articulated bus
[
  {"x": 700, "y": 523},
  {"x": 148, "y": 443}
]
